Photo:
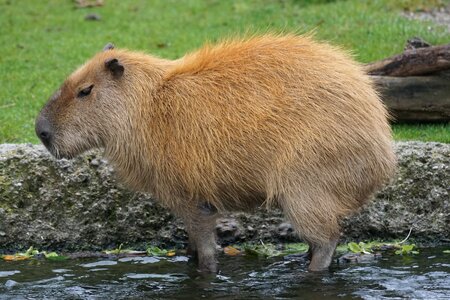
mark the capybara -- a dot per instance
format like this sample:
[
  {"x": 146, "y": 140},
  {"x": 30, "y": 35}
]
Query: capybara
[{"x": 275, "y": 120}]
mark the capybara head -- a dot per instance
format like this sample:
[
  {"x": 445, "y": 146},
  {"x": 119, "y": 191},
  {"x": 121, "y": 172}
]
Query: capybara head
[{"x": 73, "y": 119}]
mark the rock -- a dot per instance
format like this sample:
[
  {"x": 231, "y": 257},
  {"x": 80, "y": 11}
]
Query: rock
[
  {"x": 416, "y": 42},
  {"x": 417, "y": 198},
  {"x": 8, "y": 273},
  {"x": 78, "y": 205},
  {"x": 358, "y": 258},
  {"x": 285, "y": 230},
  {"x": 10, "y": 283},
  {"x": 227, "y": 230},
  {"x": 92, "y": 17}
]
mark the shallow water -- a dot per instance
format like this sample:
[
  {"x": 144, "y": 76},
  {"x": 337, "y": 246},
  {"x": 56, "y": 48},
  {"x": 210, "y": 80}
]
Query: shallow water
[{"x": 423, "y": 276}]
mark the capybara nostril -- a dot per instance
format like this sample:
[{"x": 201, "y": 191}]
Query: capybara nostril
[
  {"x": 45, "y": 135},
  {"x": 44, "y": 130}
]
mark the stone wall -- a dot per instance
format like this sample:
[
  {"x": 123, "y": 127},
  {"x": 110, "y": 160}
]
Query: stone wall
[{"x": 78, "y": 205}]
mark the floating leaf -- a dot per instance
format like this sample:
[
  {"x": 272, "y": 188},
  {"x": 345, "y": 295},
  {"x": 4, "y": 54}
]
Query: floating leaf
[
  {"x": 342, "y": 248},
  {"x": 15, "y": 257},
  {"x": 362, "y": 247},
  {"x": 114, "y": 251},
  {"x": 406, "y": 250},
  {"x": 295, "y": 248},
  {"x": 231, "y": 251},
  {"x": 30, "y": 252},
  {"x": 354, "y": 247},
  {"x": 266, "y": 250},
  {"x": 156, "y": 251},
  {"x": 54, "y": 256},
  {"x": 51, "y": 254}
]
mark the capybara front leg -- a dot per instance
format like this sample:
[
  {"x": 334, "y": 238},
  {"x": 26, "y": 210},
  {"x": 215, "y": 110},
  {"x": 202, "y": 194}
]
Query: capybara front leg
[
  {"x": 192, "y": 247},
  {"x": 200, "y": 226},
  {"x": 206, "y": 250},
  {"x": 322, "y": 254}
]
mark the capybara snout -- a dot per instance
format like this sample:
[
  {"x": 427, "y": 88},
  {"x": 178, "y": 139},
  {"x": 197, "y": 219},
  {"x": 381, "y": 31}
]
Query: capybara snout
[
  {"x": 268, "y": 120},
  {"x": 44, "y": 130}
]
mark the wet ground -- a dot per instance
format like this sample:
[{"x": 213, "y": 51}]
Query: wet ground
[{"x": 422, "y": 276}]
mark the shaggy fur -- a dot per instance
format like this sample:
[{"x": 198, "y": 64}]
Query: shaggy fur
[{"x": 275, "y": 120}]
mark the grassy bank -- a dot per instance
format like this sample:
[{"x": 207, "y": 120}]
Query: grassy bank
[{"x": 43, "y": 41}]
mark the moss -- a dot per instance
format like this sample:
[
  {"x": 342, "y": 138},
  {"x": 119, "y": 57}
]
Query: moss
[{"x": 60, "y": 210}]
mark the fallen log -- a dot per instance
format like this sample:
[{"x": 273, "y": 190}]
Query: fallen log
[
  {"x": 413, "y": 62},
  {"x": 416, "y": 98}
]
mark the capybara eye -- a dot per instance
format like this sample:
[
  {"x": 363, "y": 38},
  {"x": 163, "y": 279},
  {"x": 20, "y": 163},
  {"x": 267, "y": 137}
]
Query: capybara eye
[{"x": 85, "y": 92}]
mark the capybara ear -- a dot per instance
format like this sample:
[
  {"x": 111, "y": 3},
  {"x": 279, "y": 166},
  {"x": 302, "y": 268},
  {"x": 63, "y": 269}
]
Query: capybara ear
[
  {"x": 115, "y": 67},
  {"x": 108, "y": 46}
]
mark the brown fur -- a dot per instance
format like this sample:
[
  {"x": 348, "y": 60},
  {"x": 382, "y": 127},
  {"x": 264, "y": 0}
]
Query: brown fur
[{"x": 275, "y": 120}]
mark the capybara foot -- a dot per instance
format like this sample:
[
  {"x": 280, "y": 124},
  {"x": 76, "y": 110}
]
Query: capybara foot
[
  {"x": 322, "y": 255},
  {"x": 207, "y": 267}
]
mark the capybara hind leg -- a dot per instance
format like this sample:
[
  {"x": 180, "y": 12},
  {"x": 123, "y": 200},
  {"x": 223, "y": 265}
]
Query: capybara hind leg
[
  {"x": 200, "y": 226},
  {"x": 315, "y": 221},
  {"x": 322, "y": 255}
]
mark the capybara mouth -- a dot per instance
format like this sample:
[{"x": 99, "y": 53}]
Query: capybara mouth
[{"x": 57, "y": 153}]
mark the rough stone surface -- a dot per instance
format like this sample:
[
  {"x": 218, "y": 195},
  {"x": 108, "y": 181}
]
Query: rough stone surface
[{"x": 78, "y": 205}]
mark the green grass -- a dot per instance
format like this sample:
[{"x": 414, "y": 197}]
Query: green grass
[
  {"x": 422, "y": 132},
  {"x": 41, "y": 42}
]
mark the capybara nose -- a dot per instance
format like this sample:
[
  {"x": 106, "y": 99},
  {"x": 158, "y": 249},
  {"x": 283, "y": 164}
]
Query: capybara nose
[{"x": 44, "y": 130}]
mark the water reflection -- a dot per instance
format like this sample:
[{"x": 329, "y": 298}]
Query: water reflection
[{"x": 425, "y": 276}]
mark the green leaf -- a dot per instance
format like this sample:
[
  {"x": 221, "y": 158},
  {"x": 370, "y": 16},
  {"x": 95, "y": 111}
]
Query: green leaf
[
  {"x": 375, "y": 245},
  {"x": 114, "y": 251},
  {"x": 342, "y": 248},
  {"x": 156, "y": 251},
  {"x": 251, "y": 251},
  {"x": 30, "y": 252},
  {"x": 407, "y": 249},
  {"x": 365, "y": 248},
  {"x": 54, "y": 256},
  {"x": 51, "y": 254},
  {"x": 354, "y": 247},
  {"x": 265, "y": 250},
  {"x": 296, "y": 248}
]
